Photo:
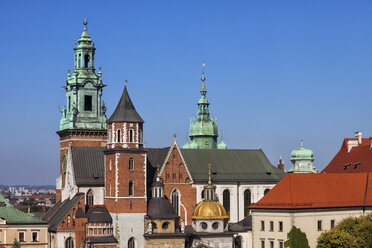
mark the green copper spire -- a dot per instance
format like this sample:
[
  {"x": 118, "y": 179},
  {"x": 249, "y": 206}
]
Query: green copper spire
[
  {"x": 85, "y": 109},
  {"x": 203, "y": 129}
]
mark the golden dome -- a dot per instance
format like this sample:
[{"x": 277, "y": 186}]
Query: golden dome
[{"x": 209, "y": 210}]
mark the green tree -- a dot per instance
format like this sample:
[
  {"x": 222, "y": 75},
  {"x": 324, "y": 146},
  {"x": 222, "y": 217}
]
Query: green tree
[
  {"x": 350, "y": 232},
  {"x": 296, "y": 239}
]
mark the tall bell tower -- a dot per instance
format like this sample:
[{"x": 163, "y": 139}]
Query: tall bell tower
[
  {"x": 83, "y": 121},
  {"x": 126, "y": 172}
]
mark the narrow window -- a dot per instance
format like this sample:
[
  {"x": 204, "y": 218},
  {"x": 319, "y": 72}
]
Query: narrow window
[
  {"x": 130, "y": 188},
  {"x": 271, "y": 226},
  {"x": 131, "y": 243},
  {"x": 130, "y": 136},
  {"x": 174, "y": 176},
  {"x": 131, "y": 164},
  {"x": 280, "y": 244},
  {"x": 69, "y": 104},
  {"x": 79, "y": 65},
  {"x": 180, "y": 175},
  {"x": 118, "y": 138},
  {"x": 247, "y": 202},
  {"x": 280, "y": 226},
  {"x": 332, "y": 223},
  {"x": 175, "y": 201},
  {"x": 90, "y": 198},
  {"x": 226, "y": 201},
  {"x": 319, "y": 225},
  {"x": 262, "y": 243},
  {"x": 203, "y": 194},
  {"x": 86, "y": 60},
  {"x": 87, "y": 103},
  {"x": 34, "y": 237},
  {"x": 21, "y": 237},
  {"x": 262, "y": 225},
  {"x": 69, "y": 243},
  {"x": 271, "y": 244}
]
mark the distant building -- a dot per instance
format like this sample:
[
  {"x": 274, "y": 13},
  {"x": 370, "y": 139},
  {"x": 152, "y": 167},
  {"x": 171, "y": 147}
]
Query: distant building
[
  {"x": 354, "y": 156},
  {"x": 24, "y": 228},
  {"x": 302, "y": 160},
  {"x": 313, "y": 202}
]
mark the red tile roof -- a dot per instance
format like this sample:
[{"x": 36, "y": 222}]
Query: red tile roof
[
  {"x": 319, "y": 190},
  {"x": 359, "y": 159}
]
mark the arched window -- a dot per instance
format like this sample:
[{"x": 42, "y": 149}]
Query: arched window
[
  {"x": 203, "y": 194},
  {"x": 130, "y": 188},
  {"x": 90, "y": 200},
  {"x": 247, "y": 202},
  {"x": 175, "y": 201},
  {"x": 226, "y": 201},
  {"x": 266, "y": 191},
  {"x": 131, "y": 164},
  {"x": 238, "y": 242},
  {"x": 86, "y": 60},
  {"x": 69, "y": 243},
  {"x": 118, "y": 136},
  {"x": 131, "y": 243},
  {"x": 130, "y": 135}
]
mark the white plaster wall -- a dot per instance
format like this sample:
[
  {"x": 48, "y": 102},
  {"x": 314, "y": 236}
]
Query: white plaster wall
[
  {"x": 236, "y": 196},
  {"x": 61, "y": 237},
  {"x": 98, "y": 194},
  {"x": 306, "y": 221},
  {"x": 129, "y": 225},
  {"x": 246, "y": 238}
]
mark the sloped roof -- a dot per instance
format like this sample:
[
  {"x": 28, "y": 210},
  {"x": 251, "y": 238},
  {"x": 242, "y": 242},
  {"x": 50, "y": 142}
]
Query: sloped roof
[
  {"x": 60, "y": 210},
  {"x": 160, "y": 208},
  {"x": 88, "y": 164},
  {"x": 98, "y": 214},
  {"x": 318, "y": 190},
  {"x": 242, "y": 226},
  {"x": 15, "y": 216},
  {"x": 231, "y": 165},
  {"x": 125, "y": 111},
  {"x": 101, "y": 240},
  {"x": 359, "y": 159}
]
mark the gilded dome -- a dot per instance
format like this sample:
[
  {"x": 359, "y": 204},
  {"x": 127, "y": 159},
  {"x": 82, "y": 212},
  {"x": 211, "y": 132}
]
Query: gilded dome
[{"x": 209, "y": 210}]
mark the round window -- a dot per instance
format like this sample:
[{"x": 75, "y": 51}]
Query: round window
[
  {"x": 165, "y": 225},
  {"x": 215, "y": 225},
  {"x": 204, "y": 225}
]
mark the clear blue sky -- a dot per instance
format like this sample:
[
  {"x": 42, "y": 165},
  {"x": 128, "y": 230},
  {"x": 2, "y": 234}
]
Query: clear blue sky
[{"x": 277, "y": 71}]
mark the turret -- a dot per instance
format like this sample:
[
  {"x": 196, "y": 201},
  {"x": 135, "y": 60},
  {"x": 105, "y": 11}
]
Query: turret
[
  {"x": 302, "y": 160},
  {"x": 203, "y": 129}
]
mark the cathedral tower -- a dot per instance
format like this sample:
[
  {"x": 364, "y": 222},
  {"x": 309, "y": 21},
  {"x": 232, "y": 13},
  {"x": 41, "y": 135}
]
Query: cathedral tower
[
  {"x": 83, "y": 121},
  {"x": 203, "y": 129},
  {"x": 125, "y": 172}
]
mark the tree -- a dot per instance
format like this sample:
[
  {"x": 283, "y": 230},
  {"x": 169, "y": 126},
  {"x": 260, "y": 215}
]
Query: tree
[
  {"x": 350, "y": 232},
  {"x": 296, "y": 239}
]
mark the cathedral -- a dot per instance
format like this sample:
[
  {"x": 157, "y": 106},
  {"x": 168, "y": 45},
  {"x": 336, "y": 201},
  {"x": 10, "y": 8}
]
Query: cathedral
[{"x": 115, "y": 192}]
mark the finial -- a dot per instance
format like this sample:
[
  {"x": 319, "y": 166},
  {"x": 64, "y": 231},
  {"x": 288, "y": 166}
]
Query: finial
[
  {"x": 174, "y": 136},
  {"x": 202, "y": 66},
  {"x": 75, "y": 43},
  {"x": 157, "y": 172},
  {"x": 85, "y": 21},
  {"x": 68, "y": 72},
  {"x": 302, "y": 142},
  {"x": 209, "y": 175},
  {"x": 125, "y": 82}
]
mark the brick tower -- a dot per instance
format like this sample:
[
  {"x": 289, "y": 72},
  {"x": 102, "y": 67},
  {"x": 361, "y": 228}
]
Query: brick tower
[
  {"x": 83, "y": 121},
  {"x": 125, "y": 173}
]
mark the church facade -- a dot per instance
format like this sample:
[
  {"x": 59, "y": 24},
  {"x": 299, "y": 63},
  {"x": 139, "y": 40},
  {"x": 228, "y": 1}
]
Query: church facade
[{"x": 107, "y": 175}]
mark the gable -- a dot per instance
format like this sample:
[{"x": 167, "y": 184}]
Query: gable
[{"x": 174, "y": 169}]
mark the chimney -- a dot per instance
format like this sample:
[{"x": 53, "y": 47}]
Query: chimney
[
  {"x": 358, "y": 135},
  {"x": 281, "y": 164}
]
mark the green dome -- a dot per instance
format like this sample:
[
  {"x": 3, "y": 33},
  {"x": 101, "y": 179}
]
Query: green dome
[
  {"x": 203, "y": 100},
  {"x": 302, "y": 154},
  {"x": 222, "y": 145}
]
